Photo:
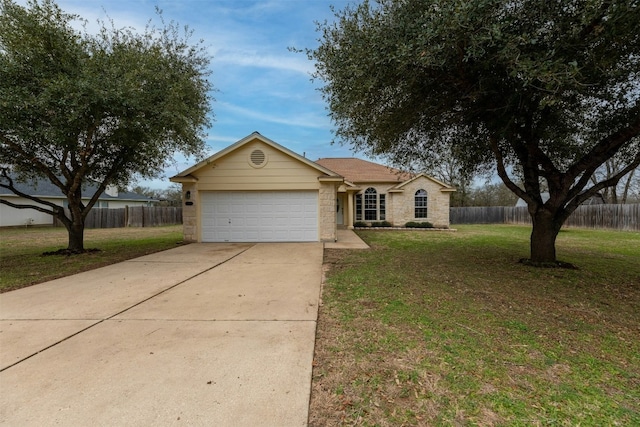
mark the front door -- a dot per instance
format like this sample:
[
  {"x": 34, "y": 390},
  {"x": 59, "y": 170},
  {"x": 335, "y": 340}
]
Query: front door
[{"x": 340, "y": 211}]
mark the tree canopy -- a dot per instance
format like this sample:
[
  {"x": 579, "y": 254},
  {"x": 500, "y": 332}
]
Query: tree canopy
[
  {"x": 103, "y": 108},
  {"x": 545, "y": 92}
]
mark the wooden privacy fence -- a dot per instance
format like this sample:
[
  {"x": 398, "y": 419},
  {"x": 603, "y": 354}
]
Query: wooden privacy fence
[
  {"x": 132, "y": 216},
  {"x": 618, "y": 217},
  {"x": 141, "y": 216},
  {"x": 477, "y": 215}
]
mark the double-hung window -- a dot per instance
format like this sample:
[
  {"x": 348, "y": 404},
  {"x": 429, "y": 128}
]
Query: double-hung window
[
  {"x": 370, "y": 206},
  {"x": 421, "y": 204}
]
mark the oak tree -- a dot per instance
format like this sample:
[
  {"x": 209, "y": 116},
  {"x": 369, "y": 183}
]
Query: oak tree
[
  {"x": 545, "y": 92},
  {"x": 105, "y": 108}
]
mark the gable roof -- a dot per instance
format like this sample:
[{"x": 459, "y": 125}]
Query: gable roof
[
  {"x": 358, "y": 170},
  {"x": 44, "y": 188},
  {"x": 185, "y": 176},
  {"x": 445, "y": 187}
]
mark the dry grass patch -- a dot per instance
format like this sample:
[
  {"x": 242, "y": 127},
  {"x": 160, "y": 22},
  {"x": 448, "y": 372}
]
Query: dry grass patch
[
  {"x": 449, "y": 329},
  {"x": 23, "y": 263}
]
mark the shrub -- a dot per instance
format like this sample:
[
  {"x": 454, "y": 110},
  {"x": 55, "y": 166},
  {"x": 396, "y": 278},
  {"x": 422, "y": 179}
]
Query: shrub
[
  {"x": 381, "y": 224},
  {"x": 413, "y": 224},
  {"x": 360, "y": 224}
]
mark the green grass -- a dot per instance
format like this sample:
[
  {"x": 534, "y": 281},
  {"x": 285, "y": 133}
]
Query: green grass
[
  {"x": 448, "y": 328},
  {"x": 22, "y": 263}
]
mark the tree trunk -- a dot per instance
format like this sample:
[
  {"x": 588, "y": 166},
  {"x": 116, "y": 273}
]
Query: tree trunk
[
  {"x": 75, "y": 231},
  {"x": 76, "y": 236},
  {"x": 543, "y": 237}
]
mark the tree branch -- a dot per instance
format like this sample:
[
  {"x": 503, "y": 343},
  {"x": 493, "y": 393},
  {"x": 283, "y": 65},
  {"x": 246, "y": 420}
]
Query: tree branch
[
  {"x": 502, "y": 172},
  {"x": 103, "y": 185},
  {"x": 32, "y": 160},
  {"x": 55, "y": 209},
  {"x": 610, "y": 182},
  {"x": 603, "y": 151},
  {"x": 595, "y": 22},
  {"x": 627, "y": 186},
  {"x": 34, "y": 207}
]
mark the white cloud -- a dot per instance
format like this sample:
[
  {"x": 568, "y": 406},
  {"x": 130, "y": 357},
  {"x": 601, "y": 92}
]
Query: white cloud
[
  {"x": 307, "y": 120},
  {"x": 253, "y": 59},
  {"x": 226, "y": 140}
]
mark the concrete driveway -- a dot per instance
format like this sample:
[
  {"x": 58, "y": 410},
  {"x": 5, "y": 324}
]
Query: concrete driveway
[{"x": 203, "y": 334}]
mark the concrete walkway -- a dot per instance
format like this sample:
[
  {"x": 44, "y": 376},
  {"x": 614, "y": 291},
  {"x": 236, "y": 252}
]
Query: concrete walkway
[
  {"x": 347, "y": 239},
  {"x": 200, "y": 335}
]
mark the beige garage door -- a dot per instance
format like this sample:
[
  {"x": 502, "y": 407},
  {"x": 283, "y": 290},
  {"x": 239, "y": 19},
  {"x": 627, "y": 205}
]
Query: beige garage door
[{"x": 259, "y": 216}]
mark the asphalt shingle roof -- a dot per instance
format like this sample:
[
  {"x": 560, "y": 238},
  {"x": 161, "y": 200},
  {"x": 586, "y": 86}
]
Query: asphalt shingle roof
[
  {"x": 44, "y": 188},
  {"x": 357, "y": 170}
]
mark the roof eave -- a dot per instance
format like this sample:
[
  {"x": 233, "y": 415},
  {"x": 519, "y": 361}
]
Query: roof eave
[
  {"x": 331, "y": 179},
  {"x": 183, "y": 179}
]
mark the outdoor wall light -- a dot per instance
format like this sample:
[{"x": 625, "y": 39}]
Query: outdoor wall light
[{"x": 187, "y": 195}]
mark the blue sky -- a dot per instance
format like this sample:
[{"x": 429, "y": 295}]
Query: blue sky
[{"x": 261, "y": 85}]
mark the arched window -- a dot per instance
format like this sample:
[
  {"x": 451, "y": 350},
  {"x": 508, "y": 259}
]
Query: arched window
[
  {"x": 421, "y": 204},
  {"x": 370, "y": 204}
]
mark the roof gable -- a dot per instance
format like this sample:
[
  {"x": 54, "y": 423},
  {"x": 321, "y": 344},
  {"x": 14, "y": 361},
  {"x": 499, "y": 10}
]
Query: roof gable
[
  {"x": 358, "y": 170},
  {"x": 186, "y": 175},
  {"x": 445, "y": 187}
]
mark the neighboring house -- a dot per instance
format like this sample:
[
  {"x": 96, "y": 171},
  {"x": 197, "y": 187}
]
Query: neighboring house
[
  {"x": 45, "y": 190},
  {"x": 259, "y": 191}
]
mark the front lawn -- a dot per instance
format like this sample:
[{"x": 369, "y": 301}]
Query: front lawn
[
  {"x": 431, "y": 329},
  {"x": 22, "y": 263}
]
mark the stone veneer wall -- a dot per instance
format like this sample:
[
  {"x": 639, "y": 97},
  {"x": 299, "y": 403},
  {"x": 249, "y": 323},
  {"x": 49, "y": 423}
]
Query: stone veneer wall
[
  {"x": 327, "y": 205},
  {"x": 381, "y": 188},
  {"x": 190, "y": 214},
  {"x": 437, "y": 204}
]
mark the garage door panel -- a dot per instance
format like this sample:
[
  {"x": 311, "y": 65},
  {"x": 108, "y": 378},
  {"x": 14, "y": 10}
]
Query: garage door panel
[
  {"x": 267, "y": 235},
  {"x": 252, "y": 222},
  {"x": 222, "y": 209},
  {"x": 238, "y": 235},
  {"x": 219, "y": 222},
  {"x": 283, "y": 222},
  {"x": 221, "y": 234},
  {"x": 298, "y": 222},
  {"x": 265, "y": 216}
]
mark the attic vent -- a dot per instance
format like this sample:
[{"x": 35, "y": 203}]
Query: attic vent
[{"x": 258, "y": 158}]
